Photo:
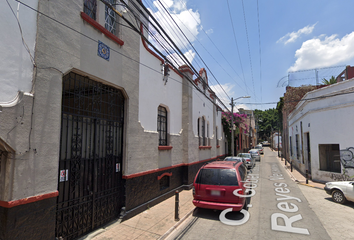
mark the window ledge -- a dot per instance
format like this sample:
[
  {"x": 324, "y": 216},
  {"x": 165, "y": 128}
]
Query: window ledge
[
  {"x": 165, "y": 147},
  {"x": 204, "y": 147},
  {"x": 100, "y": 28}
]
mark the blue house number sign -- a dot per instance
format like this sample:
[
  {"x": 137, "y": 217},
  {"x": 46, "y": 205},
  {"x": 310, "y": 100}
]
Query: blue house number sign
[{"x": 103, "y": 50}]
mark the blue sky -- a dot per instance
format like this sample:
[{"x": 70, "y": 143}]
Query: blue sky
[{"x": 294, "y": 36}]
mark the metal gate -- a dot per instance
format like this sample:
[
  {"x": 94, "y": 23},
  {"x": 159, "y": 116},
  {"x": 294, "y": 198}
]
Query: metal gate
[{"x": 90, "y": 184}]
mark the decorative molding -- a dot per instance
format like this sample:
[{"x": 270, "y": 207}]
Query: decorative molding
[
  {"x": 100, "y": 28},
  {"x": 165, "y": 147},
  {"x": 204, "y": 147},
  {"x": 164, "y": 174},
  {"x": 23, "y": 201},
  {"x": 185, "y": 68}
]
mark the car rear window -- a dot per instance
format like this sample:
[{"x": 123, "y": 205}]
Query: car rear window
[
  {"x": 217, "y": 176},
  {"x": 243, "y": 155}
]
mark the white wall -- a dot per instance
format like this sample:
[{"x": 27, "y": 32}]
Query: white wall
[
  {"x": 202, "y": 107},
  {"x": 328, "y": 120},
  {"x": 16, "y": 67},
  {"x": 153, "y": 92}
]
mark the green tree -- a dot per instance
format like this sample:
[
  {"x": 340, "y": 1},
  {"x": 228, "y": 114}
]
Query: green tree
[
  {"x": 267, "y": 121},
  {"x": 332, "y": 80}
]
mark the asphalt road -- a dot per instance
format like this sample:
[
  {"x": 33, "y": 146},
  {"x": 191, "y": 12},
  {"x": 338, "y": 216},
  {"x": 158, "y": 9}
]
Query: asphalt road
[{"x": 278, "y": 210}]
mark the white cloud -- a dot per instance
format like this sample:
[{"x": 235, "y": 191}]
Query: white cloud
[
  {"x": 187, "y": 20},
  {"x": 324, "y": 52},
  {"x": 291, "y": 37},
  {"x": 210, "y": 31},
  {"x": 242, "y": 106},
  {"x": 220, "y": 93},
  {"x": 175, "y": 59}
]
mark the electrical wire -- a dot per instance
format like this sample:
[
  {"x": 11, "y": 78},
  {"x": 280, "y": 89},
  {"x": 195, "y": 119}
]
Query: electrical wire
[
  {"x": 19, "y": 25},
  {"x": 195, "y": 51},
  {"x": 207, "y": 35},
  {"x": 169, "y": 40},
  {"x": 235, "y": 38},
  {"x": 248, "y": 44},
  {"x": 260, "y": 51},
  {"x": 306, "y": 99},
  {"x": 92, "y": 39}
]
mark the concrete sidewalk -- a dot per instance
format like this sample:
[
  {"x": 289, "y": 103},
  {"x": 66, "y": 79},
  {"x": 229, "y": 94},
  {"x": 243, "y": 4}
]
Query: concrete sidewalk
[
  {"x": 159, "y": 221},
  {"x": 298, "y": 177},
  {"x": 155, "y": 223}
]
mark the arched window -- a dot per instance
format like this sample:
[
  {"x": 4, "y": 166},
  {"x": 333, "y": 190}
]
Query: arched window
[{"x": 162, "y": 125}]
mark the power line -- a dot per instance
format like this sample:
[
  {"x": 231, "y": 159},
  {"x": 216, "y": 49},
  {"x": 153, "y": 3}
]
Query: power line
[
  {"x": 92, "y": 39},
  {"x": 260, "y": 52},
  {"x": 184, "y": 4},
  {"x": 196, "y": 51},
  {"x": 238, "y": 52},
  {"x": 248, "y": 44},
  {"x": 307, "y": 99}
]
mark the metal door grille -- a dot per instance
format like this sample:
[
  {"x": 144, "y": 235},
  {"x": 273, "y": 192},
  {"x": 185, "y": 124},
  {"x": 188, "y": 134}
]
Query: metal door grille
[{"x": 90, "y": 179}]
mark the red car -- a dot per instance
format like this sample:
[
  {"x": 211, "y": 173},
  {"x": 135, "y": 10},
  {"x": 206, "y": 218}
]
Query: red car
[{"x": 215, "y": 184}]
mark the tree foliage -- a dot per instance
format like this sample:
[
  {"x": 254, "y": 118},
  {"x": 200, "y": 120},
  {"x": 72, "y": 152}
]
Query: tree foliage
[
  {"x": 332, "y": 80},
  {"x": 267, "y": 121}
]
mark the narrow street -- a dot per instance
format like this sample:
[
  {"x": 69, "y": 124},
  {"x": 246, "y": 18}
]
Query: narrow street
[{"x": 278, "y": 210}]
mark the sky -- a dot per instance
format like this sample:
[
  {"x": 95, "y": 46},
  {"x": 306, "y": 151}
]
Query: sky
[{"x": 257, "y": 47}]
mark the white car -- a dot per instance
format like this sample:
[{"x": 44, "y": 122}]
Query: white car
[
  {"x": 260, "y": 148},
  {"x": 340, "y": 191},
  {"x": 255, "y": 154}
]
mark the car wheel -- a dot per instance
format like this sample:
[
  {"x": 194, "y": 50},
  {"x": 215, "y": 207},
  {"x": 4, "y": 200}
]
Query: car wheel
[{"x": 338, "y": 196}]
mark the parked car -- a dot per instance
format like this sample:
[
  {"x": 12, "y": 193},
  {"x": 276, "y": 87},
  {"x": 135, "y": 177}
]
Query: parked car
[
  {"x": 255, "y": 154},
  {"x": 247, "y": 159},
  {"x": 340, "y": 191},
  {"x": 260, "y": 148},
  {"x": 215, "y": 183},
  {"x": 235, "y": 159}
]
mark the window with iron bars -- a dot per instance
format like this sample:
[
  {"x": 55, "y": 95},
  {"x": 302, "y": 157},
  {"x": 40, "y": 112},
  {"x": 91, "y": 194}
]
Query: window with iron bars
[
  {"x": 162, "y": 125},
  {"x": 110, "y": 17},
  {"x": 90, "y": 8}
]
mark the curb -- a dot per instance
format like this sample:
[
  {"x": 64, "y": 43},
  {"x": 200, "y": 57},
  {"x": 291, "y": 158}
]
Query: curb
[
  {"x": 295, "y": 180},
  {"x": 166, "y": 234},
  {"x": 308, "y": 185}
]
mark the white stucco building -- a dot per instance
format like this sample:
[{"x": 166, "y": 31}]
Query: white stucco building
[
  {"x": 320, "y": 128},
  {"x": 89, "y": 127}
]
